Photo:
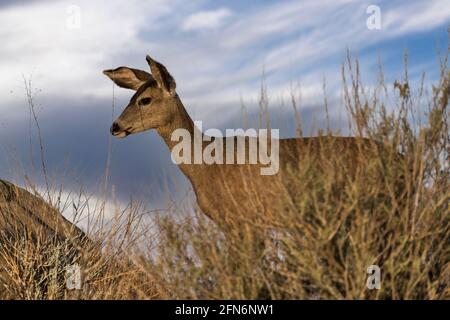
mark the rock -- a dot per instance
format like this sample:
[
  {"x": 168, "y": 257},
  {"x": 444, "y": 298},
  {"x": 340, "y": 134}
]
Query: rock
[{"x": 34, "y": 239}]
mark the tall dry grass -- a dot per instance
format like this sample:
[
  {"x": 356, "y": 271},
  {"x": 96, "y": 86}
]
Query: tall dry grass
[{"x": 393, "y": 213}]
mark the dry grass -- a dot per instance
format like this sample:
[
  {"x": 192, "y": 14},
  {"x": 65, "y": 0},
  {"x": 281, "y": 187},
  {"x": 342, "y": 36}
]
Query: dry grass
[
  {"x": 35, "y": 266},
  {"x": 393, "y": 214}
]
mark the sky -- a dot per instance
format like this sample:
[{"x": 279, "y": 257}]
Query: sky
[{"x": 217, "y": 52}]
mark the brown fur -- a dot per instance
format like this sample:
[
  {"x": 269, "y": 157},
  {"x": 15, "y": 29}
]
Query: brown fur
[{"x": 225, "y": 190}]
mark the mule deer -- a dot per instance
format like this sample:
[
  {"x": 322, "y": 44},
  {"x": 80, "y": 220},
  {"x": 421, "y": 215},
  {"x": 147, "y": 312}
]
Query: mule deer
[{"x": 222, "y": 190}]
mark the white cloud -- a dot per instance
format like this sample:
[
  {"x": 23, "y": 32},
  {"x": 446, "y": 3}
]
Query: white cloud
[
  {"x": 206, "y": 19},
  {"x": 36, "y": 39},
  {"x": 417, "y": 17},
  {"x": 91, "y": 212}
]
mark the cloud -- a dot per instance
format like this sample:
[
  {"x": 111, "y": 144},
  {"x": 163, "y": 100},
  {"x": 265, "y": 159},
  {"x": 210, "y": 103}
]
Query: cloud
[
  {"x": 417, "y": 17},
  {"x": 206, "y": 19},
  {"x": 36, "y": 39}
]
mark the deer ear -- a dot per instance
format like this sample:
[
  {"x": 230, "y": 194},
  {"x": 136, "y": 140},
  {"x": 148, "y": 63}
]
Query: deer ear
[
  {"x": 128, "y": 78},
  {"x": 162, "y": 76}
]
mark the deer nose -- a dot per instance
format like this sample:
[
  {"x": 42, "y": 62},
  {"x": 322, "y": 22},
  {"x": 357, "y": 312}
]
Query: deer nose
[{"x": 115, "y": 128}]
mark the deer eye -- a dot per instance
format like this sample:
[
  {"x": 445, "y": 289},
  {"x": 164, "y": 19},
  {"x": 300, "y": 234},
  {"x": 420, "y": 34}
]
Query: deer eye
[{"x": 145, "y": 101}]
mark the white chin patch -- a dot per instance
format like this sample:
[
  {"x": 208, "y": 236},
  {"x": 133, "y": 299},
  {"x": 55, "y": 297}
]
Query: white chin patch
[{"x": 121, "y": 135}]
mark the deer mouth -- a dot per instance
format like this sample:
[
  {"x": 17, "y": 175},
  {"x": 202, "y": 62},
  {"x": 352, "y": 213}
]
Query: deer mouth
[
  {"x": 121, "y": 134},
  {"x": 118, "y": 132}
]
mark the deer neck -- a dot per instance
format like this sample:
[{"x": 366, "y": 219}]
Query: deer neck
[{"x": 181, "y": 120}]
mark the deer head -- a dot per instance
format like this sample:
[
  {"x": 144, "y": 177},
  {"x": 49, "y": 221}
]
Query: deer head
[{"x": 154, "y": 103}]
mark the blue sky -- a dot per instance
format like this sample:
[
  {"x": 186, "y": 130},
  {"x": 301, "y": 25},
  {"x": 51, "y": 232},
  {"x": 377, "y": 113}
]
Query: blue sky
[{"x": 216, "y": 50}]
